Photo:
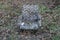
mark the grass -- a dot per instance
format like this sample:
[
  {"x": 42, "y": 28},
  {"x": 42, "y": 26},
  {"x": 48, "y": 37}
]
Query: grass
[
  {"x": 51, "y": 20},
  {"x": 10, "y": 14}
]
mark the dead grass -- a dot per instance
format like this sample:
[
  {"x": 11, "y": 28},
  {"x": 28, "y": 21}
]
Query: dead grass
[{"x": 11, "y": 9}]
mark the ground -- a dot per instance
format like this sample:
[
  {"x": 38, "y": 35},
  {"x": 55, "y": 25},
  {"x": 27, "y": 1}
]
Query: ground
[{"x": 11, "y": 9}]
